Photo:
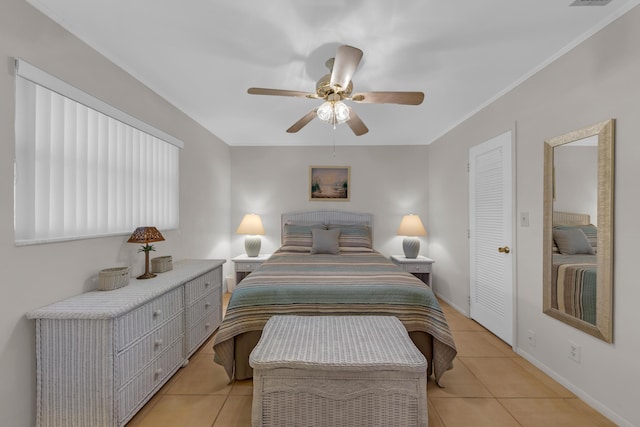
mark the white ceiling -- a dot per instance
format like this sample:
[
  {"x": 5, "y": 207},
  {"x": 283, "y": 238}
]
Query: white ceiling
[{"x": 203, "y": 55}]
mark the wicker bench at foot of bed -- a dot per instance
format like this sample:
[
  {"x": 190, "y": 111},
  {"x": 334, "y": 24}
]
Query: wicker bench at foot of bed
[{"x": 338, "y": 371}]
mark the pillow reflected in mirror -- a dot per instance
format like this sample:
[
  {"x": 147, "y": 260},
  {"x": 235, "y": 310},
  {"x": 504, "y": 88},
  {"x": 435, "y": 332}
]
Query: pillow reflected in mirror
[{"x": 572, "y": 241}]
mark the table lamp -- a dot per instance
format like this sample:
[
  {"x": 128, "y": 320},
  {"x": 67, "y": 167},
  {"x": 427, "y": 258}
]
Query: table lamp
[
  {"x": 411, "y": 226},
  {"x": 251, "y": 224},
  {"x": 146, "y": 235}
]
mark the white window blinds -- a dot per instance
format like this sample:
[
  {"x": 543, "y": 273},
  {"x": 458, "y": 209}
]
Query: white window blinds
[{"x": 82, "y": 173}]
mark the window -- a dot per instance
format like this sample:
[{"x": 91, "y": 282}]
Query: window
[{"x": 85, "y": 169}]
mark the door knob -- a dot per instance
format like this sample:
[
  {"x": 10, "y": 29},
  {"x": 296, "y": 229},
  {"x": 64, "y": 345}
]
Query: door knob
[{"x": 504, "y": 250}]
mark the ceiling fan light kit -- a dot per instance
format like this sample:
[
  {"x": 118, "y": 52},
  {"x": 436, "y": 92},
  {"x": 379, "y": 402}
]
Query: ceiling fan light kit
[
  {"x": 333, "y": 111},
  {"x": 336, "y": 87}
]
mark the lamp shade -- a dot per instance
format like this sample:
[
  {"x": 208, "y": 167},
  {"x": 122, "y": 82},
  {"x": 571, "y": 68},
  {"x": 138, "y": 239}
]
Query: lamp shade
[
  {"x": 411, "y": 226},
  {"x": 251, "y": 224},
  {"x": 145, "y": 235}
]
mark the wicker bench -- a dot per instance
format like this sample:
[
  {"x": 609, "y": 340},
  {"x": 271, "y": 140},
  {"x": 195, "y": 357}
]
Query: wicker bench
[{"x": 338, "y": 371}]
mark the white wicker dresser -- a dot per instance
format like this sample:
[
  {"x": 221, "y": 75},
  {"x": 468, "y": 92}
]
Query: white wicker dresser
[
  {"x": 338, "y": 371},
  {"x": 102, "y": 355}
]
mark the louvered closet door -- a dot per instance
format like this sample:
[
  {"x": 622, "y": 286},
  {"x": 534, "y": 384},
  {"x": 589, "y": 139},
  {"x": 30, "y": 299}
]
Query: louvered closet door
[{"x": 491, "y": 221}]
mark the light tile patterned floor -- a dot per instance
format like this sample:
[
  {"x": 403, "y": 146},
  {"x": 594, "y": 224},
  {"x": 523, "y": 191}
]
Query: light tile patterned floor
[{"x": 489, "y": 386}]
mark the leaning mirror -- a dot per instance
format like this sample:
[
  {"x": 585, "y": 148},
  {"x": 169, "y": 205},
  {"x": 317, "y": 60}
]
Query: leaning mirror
[{"x": 578, "y": 229}]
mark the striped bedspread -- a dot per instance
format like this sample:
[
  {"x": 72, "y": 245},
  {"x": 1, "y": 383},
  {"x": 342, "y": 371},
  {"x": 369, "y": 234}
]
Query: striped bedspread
[
  {"x": 574, "y": 286},
  {"x": 354, "y": 283}
]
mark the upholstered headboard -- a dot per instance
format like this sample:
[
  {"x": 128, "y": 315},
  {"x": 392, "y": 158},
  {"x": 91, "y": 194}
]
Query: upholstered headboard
[
  {"x": 570, "y": 218},
  {"x": 325, "y": 217}
]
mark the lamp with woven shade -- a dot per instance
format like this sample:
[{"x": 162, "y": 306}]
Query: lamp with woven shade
[
  {"x": 251, "y": 224},
  {"x": 411, "y": 227},
  {"x": 146, "y": 235}
]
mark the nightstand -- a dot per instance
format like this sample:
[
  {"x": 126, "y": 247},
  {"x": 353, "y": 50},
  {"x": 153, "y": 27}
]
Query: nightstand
[
  {"x": 246, "y": 264},
  {"x": 419, "y": 267}
]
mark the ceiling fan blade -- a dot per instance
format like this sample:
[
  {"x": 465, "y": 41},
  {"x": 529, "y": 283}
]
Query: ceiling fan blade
[
  {"x": 344, "y": 65},
  {"x": 405, "y": 98},
  {"x": 303, "y": 121},
  {"x": 280, "y": 92},
  {"x": 356, "y": 124}
]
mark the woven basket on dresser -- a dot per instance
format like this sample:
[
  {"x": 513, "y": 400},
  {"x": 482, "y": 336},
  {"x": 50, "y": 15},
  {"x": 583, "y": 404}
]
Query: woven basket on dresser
[
  {"x": 161, "y": 264},
  {"x": 113, "y": 278},
  {"x": 338, "y": 371}
]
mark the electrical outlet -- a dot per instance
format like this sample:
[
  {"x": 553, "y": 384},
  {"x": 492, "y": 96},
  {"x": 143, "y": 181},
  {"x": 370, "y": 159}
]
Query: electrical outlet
[
  {"x": 531, "y": 338},
  {"x": 574, "y": 351},
  {"x": 524, "y": 219}
]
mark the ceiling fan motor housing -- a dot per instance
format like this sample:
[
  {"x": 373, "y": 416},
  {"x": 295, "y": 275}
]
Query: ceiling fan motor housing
[{"x": 323, "y": 88}]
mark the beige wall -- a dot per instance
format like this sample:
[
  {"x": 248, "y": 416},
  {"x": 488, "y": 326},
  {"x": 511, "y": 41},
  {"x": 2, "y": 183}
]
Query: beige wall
[
  {"x": 595, "y": 81},
  {"x": 386, "y": 181},
  {"x": 33, "y": 276}
]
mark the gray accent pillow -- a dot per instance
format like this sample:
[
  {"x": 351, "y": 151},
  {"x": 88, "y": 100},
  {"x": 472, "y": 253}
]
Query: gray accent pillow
[
  {"x": 590, "y": 230},
  {"x": 325, "y": 241},
  {"x": 572, "y": 241}
]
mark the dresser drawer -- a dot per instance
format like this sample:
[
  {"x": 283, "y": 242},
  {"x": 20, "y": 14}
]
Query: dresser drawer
[
  {"x": 247, "y": 266},
  {"x": 202, "y": 307},
  {"x": 199, "y": 332},
  {"x": 196, "y": 288},
  {"x": 144, "y": 385},
  {"x": 148, "y": 317},
  {"x": 417, "y": 268},
  {"x": 134, "y": 358}
]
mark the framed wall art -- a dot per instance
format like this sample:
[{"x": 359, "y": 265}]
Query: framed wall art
[{"x": 329, "y": 183}]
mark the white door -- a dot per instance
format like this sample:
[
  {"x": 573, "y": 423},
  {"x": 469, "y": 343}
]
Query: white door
[{"x": 490, "y": 225}]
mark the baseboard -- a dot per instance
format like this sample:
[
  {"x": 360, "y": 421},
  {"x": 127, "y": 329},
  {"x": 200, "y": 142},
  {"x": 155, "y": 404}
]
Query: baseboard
[
  {"x": 588, "y": 399},
  {"x": 440, "y": 297}
]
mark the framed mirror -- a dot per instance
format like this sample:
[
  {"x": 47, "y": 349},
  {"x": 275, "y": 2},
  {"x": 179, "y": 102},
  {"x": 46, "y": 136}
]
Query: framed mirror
[{"x": 578, "y": 229}]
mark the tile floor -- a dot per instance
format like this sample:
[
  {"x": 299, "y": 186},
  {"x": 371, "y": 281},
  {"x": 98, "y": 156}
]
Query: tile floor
[{"x": 490, "y": 385}]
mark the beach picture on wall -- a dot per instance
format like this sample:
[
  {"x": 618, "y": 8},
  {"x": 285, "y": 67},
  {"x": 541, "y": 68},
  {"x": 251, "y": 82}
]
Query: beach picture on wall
[{"x": 329, "y": 183}]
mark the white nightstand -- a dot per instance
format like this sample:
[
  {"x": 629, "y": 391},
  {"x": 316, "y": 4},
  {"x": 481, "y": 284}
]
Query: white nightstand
[
  {"x": 419, "y": 267},
  {"x": 245, "y": 264}
]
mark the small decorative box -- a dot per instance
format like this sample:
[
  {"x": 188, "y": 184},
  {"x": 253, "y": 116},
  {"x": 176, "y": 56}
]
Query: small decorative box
[
  {"x": 161, "y": 264},
  {"x": 113, "y": 278}
]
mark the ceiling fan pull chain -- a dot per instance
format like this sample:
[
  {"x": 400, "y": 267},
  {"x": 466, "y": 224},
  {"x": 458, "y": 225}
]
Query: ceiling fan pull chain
[{"x": 334, "y": 141}]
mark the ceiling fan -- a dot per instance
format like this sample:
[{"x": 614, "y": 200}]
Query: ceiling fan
[{"x": 336, "y": 87}]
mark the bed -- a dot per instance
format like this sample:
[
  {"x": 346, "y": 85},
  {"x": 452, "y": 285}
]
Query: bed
[
  {"x": 312, "y": 275},
  {"x": 574, "y": 266}
]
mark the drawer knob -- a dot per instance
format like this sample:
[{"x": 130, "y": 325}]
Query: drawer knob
[
  {"x": 157, "y": 313},
  {"x": 158, "y": 372},
  {"x": 158, "y": 342},
  {"x": 207, "y": 325},
  {"x": 207, "y": 304},
  {"x": 206, "y": 284}
]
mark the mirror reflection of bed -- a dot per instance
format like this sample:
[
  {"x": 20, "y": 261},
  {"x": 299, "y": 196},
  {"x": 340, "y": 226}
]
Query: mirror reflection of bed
[
  {"x": 574, "y": 271},
  {"x": 578, "y": 229}
]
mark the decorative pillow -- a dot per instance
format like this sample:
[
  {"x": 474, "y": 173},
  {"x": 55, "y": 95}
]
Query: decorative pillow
[
  {"x": 325, "y": 241},
  {"x": 590, "y": 230},
  {"x": 299, "y": 235},
  {"x": 572, "y": 241},
  {"x": 354, "y": 236}
]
